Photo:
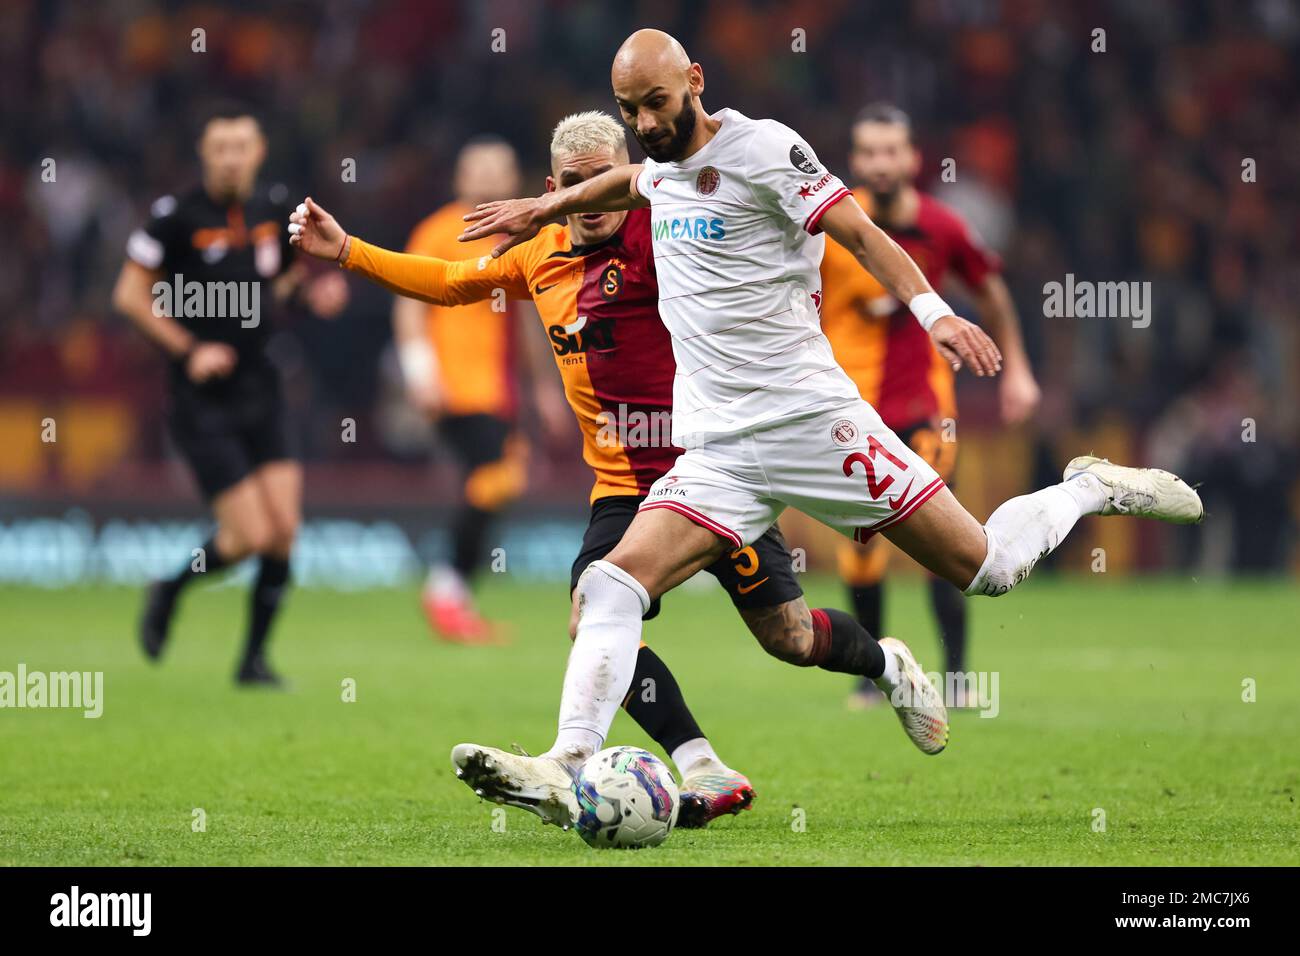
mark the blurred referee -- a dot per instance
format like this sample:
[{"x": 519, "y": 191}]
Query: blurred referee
[{"x": 227, "y": 414}]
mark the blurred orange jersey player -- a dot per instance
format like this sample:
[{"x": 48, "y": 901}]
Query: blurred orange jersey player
[
  {"x": 473, "y": 343},
  {"x": 890, "y": 357},
  {"x": 459, "y": 368}
]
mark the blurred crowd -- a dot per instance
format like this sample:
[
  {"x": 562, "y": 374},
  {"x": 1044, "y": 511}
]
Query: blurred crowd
[{"x": 1148, "y": 140}]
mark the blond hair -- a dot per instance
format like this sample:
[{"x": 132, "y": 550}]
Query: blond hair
[{"x": 586, "y": 133}]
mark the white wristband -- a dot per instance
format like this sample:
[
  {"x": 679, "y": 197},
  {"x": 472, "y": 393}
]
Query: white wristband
[
  {"x": 417, "y": 361},
  {"x": 929, "y": 309}
]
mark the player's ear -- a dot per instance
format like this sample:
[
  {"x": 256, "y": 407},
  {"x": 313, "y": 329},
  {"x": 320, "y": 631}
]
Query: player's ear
[
  {"x": 695, "y": 79},
  {"x": 550, "y": 184}
]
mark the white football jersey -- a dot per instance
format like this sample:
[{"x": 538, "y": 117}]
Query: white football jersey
[{"x": 738, "y": 251}]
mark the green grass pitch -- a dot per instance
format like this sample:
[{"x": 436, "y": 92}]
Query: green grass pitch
[{"x": 1123, "y": 697}]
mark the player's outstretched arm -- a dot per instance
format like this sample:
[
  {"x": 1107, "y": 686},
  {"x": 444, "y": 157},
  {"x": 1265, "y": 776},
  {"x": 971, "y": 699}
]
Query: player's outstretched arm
[
  {"x": 437, "y": 281},
  {"x": 958, "y": 341},
  {"x": 520, "y": 219}
]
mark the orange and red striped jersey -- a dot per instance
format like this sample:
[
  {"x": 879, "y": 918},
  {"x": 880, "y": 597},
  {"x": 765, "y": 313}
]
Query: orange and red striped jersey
[
  {"x": 876, "y": 339},
  {"x": 599, "y": 306},
  {"x": 474, "y": 344}
]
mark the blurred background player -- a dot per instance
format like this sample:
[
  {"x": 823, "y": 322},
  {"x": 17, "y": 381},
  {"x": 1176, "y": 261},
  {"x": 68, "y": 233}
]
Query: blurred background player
[
  {"x": 459, "y": 367},
  {"x": 890, "y": 358},
  {"x": 227, "y": 413}
]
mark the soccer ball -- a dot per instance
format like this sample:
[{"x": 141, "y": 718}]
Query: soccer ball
[{"x": 626, "y": 798}]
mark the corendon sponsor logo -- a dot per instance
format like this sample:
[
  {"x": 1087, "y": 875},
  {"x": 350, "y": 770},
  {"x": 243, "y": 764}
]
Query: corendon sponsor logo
[
  {"x": 689, "y": 227},
  {"x": 807, "y": 191},
  {"x": 877, "y": 487},
  {"x": 581, "y": 336}
]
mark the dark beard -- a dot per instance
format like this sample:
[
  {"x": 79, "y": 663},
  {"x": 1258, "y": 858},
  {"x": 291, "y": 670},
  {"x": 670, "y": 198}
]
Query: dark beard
[
  {"x": 884, "y": 203},
  {"x": 666, "y": 151}
]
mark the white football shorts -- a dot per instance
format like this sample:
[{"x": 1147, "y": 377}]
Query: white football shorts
[{"x": 842, "y": 467}]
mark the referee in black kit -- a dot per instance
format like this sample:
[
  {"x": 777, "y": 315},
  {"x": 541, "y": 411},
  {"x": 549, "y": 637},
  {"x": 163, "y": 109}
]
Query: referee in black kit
[{"x": 200, "y": 280}]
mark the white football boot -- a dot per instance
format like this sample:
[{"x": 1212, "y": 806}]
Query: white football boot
[
  {"x": 1141, "y": 492},
  {"x": 915, "y": 700},
  {"x": 541, "y": 785}
]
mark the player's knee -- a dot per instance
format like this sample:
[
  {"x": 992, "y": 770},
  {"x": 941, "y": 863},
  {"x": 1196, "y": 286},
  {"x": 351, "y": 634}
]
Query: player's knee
[
  {"x": 250, "y": 537},
  {"x": 573, "y": 617},
  {"x": 637, "y": 564},
  {"x": 606, "y": 591},
  {"x": 964, "y": 560},
  {"x": 234, "y": 543}
]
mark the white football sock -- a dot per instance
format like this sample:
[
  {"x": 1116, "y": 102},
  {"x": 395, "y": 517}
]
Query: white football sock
[
  {"x": 892, "y": 674},
  {"x": 602, "y": 661},
  {"x": 690, "y": 755},
  {"x": 1028, "y": 528}
]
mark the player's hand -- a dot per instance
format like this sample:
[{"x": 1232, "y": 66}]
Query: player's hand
[
  {"x": 315, "y": 231},
  {"x": 210, "y": 360},
  {"x": 965, "y": 343},
  {"x": 519, "y": 219},
  {"x": 1018, "y": 394}
]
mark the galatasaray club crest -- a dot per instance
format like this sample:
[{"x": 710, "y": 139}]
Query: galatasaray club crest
[
  {"x": 706, "y": 183},
  {"x": 844, "y": 433},
  {"x": 611, "y": 282}
]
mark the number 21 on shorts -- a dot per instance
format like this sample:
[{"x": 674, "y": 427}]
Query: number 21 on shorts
[{"x": 876, "y": 488}]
